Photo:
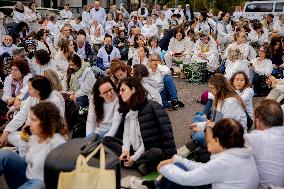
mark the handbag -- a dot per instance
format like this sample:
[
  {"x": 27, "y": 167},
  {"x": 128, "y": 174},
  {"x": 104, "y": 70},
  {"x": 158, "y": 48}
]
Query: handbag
[{"x": 85, "y": 176}]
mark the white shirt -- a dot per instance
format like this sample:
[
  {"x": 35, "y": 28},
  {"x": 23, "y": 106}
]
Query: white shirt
[
  {"x": 86, "y": 19},
  {"x": 37, "y": 153},
  {"x": 66, "y": 14},
  {"x": 21, "y": 17},
  {"x": 149, "y": 30},
  {"x": 168, "y": 14},
  {"x": 99, "y": 15},
  {"x": 231, "y": 169},
  {"x": 164, "y": 23},
  {"x": 267, "y": 148},
  {"x": 54, "y": 28},
  {"x": 263, "y": 67},
  {"x": 115, "y": 53}
]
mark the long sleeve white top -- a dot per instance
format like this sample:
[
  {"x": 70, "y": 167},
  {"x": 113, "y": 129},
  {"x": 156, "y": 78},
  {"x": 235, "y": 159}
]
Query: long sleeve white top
[
  {"x": 110, "y": 121},
  {"x": 259, "y": 38},
  {"x": 149, "y": 30},
  {"x": 247, "y": 95},
  {"x": 20, "y": 118},
  {"x": 243, "y": 47},
  {"x": 94, "y": 28},
  {"x": 7, "y": 91},
  {"x": 99, "y": 15},
  {"x": 164, "y": 23},
  {"x": 115, "y": 53},
  {"x": 66, "y": 14},
  {"x": 86, "y": 19},
  {"x": 233, "y": 67},
  {"x": 86, "y": 83},
  {"x": 179, "y": 46},
  {"x": 22, "y": 17},
  {"x": 263, "y": 67},
  {"x": 159, "y": 74},
  {"x": 231, "y": 169},
  {"x": 37, "y": 69},
  {"x": 267, "y": 149},
  {"x": 37, "y": 153}
]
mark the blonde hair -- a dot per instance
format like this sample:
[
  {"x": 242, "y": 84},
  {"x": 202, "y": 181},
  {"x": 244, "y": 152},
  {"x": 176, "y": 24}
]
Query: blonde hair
[{"x": 54, "y": 79}]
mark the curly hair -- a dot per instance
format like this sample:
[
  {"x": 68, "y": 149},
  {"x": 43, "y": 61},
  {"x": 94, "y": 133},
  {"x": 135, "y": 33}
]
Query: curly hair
[
  {"x": 247, "y": 81},
  {"x": 22, "y": 65},
  {"x": 117, "y": 65},
  {"x": 51, "y": 121},
  {"x": 179, "y": 30},
  {"x": 54, "y": 79},
  {"x": 98, "y": 100}
]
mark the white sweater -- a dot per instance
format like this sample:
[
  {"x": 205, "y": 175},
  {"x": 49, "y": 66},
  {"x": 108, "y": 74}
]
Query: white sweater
[
  {"x": 267, "y": 149},
  {"x": 233, "y": 67},
  {"x": 263, "y": 67},
  {"x": 86, "y": 83},
  {"x": 110, "y": 121},
  {"x": 37, "y": 153},
  {"x": 231, "y": 169},
  {"x": 159, "y": 74},
  {"x": 179, "y": 46},
  {"x": 20, "y": 118},
  {"x": 247, "y": 95},
  {"x": 149, "y": 30}
]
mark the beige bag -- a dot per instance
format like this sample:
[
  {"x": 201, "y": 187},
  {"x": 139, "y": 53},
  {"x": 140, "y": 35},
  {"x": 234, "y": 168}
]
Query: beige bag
[{"x": 87, "y": 177}]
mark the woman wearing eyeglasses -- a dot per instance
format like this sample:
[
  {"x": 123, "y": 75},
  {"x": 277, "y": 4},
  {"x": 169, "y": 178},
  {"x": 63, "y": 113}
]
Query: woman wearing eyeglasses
[
  {"x": 262, "y": 68},
  {"x": 80, "y": 80},
  {"x": 103, "y": 117}
]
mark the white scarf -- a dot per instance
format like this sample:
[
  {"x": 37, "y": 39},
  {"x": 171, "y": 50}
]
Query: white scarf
[{"x": 132, "y": 134}]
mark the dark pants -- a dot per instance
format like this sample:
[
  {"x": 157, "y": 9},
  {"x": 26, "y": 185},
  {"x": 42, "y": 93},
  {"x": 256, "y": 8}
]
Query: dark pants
[
  {"x": 169, "y": 92},
  {"x": 82, "y": 101},
  {"x": 151, "y": 157},
  {"x": 167, "y": 184},
  {"x": 259, "y": 84}
]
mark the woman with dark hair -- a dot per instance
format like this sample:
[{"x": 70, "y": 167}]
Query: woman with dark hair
[
  {"x": 262, "y": 68},
  {"x": 120, "y": 41},
  {"x": 277, "y": 54},
  {"x": 204, "y": 23},
  {"x": 147, "y": 128},
  {"x": 141, "y": 74},
  {"x": 226, "y": 104},
  {"x": 41, "y": 37},
  {"x": 39, "y": 91},
  {"x": 231, "y": 165},
  {"x": 22, "y": 29},
  {"x": 225, "y": 30},
  {"x": 61, "y": 58},
  {"x": 178, "y": 50},
  {"x": 80, "y": 80},
  {"x": 259, "y": 35},
  {"x": 119, "y": 71},
  {"x": 47, "y": 131},
  {"x": 103, "y": 116},
  {"x": 142, "y": 56},
  {"x": 16, "y": 84},
  {"x": 34, "y": 15},
  {"x": 41, "y": 62},
  {"x": 139, "y": 41}
]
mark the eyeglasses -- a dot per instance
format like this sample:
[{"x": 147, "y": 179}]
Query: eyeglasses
[
  {"x": 262, "y": 51},
  {"x": 107, "y": 91},
  {"x": 154, "y": 60}
]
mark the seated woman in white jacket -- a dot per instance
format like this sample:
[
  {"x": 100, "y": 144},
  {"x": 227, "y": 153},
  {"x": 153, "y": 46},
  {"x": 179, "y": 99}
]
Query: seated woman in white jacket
[
  {"x": 16, "y": 84},
  {"x": 149, "y": 29},
  {"x": 205, "y": 50},
  {"x": 39, "y": 91},
  {"x": 103, "y": 116},
  {"x": 277, "y": 92},
  {"x": 142, "y": 56},
  {"x": 224, "y": 31},
  {"x": 262, "y": 68},
  {"x": 259, "y": 35},
  {"x": 231, "y": 166},
  {"x": 179, "y": 49},
  {"x": 42, "y": 43},
  {"x": 80, "y": 80}
]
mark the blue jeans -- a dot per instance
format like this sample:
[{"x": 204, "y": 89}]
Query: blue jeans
[
  {"x": 169, "y": 92},
  {"x": 13, "y": 167},
  {"x": 167, "y": 184},
  {"x": 82, "y": 101},
  {"x": 200, "y": 135},
  {"x": 207, "y": 108}
]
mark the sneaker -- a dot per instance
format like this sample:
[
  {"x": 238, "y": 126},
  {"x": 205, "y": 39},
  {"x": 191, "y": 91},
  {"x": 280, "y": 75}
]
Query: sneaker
[
  {"x": 180, "y": 104},
  {"x": 136, "y": 183},
  {"x": 192, "y": 146},
  {"x": 142, "y": 169},
  {"x": 174, "y": 104}
]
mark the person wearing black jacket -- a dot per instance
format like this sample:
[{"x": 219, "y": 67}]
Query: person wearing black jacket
[
  {"x": 147, "y": 132},
  {"x": 188, "y": 12}
]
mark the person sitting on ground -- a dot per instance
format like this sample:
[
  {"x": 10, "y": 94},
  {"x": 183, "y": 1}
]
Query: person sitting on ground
[
  {"x": 226, "y": 104},
  {"x": 142, "y": 56},
  {"x": 65, "y": 34},
  {"x": 119, "y": 71},
  {"x": 48, "y": 131},
  {"x": 80, "y": 80},
  {"x": 41, "y": 62},
  {"x": 122, "y": 44},
  {"x": 107, "y": 53},
  {"x": 262, "y": 69},
  {"x": 141, "y": 74},
  {"x": 39, "y": 91},
  {"x": 41, "y": 37},
  {"x": 84, "y": 49},
  {"x": 103, "y": 116},
  {"x": 166, "y": 86},
  {"x": 231, "y": 166},
  {"x": 149, "y": 135},
  {"x": 267, "y": 144},
  {"x": 16, "y": 84}
]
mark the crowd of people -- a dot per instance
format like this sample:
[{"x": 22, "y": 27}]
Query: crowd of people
[{"x": 118, "y": 68}]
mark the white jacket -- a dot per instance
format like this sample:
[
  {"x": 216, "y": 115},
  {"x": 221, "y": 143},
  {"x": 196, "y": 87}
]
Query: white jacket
[
  {"x": 247, "y": 95},
  {"x": 99, "y": 15},
  {"x": 263, "y": 67},
  {"x": 149, "y": 30},
  {"x": 115, "y": 53},
  {"x": 86, "y": 82},
  {"x": 20, "y": 118},
  {"x": 7, "y": 87},
  {"x": 21, "y": 17},
  {"x": 231, "y": 169},
  {"x": 267, "y": 149},
  {"x": 159, "y": 74}
]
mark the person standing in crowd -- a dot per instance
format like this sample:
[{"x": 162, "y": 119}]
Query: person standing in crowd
[
  {"x": 188, "y": 12},
  {"x": 98, "y": 13},
  {"x": 143, "y": 11},
  {"x": 86, "y": 17},
  {"x": 48, "y": 131},
  {"x": 66, "y": 14},
  {"x": 267, "y": 144},
  {"x": 20, "y": 15},
  {"x": 35, "y": 17}
]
